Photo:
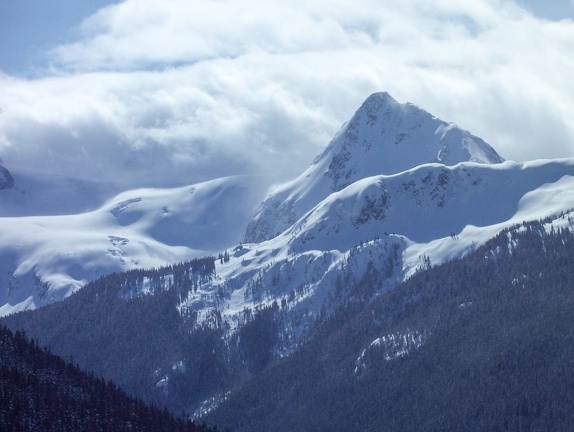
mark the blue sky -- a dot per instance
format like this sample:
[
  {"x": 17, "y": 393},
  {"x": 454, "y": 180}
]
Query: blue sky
[
  {"x": 30, "y": 27},
  {"x": 550, "y": 9},
  {"x": 203, "y": 88}
]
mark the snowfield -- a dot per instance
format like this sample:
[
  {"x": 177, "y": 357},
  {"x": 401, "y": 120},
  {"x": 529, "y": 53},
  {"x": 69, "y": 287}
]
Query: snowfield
[
  {"x": 46, "y": 258},
  {"x": 396, "y": 189}
]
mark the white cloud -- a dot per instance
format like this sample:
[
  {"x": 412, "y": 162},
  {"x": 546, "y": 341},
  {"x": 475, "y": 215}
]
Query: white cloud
[{"x": 179, "y": 91}]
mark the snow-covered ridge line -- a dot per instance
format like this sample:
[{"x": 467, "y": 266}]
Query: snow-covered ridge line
[
  {"x": 46, "y": 258},
  {"x": 383, "y": 138},
  {"x": 423, "y": 216},
  {"x": 396, "y": 190}
]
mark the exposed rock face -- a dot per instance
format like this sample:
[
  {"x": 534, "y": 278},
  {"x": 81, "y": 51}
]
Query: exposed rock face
[
  {"x": 6, "y": 179},
  {"x": 384, "y": 137}
]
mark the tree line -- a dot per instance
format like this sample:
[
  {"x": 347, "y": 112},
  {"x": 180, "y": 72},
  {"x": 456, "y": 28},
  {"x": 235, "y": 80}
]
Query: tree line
[{"x": 41, "y": 392}]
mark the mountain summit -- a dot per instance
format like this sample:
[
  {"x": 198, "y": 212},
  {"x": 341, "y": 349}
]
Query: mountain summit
[
  {"x": 386, "y": 137},
  {"x": 383, "y": 137}
]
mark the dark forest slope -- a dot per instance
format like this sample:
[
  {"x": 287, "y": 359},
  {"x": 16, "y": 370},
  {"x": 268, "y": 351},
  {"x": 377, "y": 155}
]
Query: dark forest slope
[
  {"x": 135, "y": 340},
  {"x": 482, "y": 343},
  {"x": 41, "y": 392}
]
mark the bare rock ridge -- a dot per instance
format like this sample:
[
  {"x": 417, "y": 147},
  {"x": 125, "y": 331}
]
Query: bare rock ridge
[
  {"x": 383, "y": 137},
  {"x": 6, "y": 179}
]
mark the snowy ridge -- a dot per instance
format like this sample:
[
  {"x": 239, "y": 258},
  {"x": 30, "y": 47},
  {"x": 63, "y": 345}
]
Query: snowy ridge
[
  {"x": 395, "y": 191},
  {"x": 428, "y": 202},
  {"x": 383, "y": 137},
  {"x": 46, "y": 258},
  {"x": 397, "y": 224}
]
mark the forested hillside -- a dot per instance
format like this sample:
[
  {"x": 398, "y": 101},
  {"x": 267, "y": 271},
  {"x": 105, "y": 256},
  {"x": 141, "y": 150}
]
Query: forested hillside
[
  {"x": 481, "y": 343},
  {"x": 485, "y": 342},
  {"x": 126, "y": 327},
  {"x": 41, "y": 392}
]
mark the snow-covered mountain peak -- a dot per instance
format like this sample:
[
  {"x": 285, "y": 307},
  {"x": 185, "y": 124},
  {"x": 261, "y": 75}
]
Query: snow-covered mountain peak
[
  {"x": 396, "y": 187},
  {"x": 384, "y": 137}
]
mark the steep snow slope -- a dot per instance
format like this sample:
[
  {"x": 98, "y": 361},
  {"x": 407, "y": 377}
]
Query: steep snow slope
[
  {"x": 383, "y": 137},
  {"x": 384, "y": 228},
  {"x": 45, "y": 258}
]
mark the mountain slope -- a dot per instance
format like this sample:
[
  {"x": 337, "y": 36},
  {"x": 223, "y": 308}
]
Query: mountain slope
[
  {"x": 391, "y": 216},
  {"x": 383, "y": 138},
  {"x": 322, "y": 245},
  {"x": 432, "y": 202},
  {"x": 45, "y": 258},
  {"x": 137, "y": 341},
  {"x": 39, "y": 391},
  {"x": 481, "y": 343},
  {"x": 362, "y": 187},
  {"x": 398, "y": 224}
]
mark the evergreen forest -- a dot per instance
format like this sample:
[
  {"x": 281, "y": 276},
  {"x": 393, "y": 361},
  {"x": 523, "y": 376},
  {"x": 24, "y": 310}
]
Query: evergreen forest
[
  {"x": 483, "y": 343},
  {"x": 41, "y": 392}
]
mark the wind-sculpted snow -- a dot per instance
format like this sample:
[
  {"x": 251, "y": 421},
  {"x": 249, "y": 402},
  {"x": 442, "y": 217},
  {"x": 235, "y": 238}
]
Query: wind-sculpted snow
[
  {"x": 423, "y": 204},
  {"x": 383, "y": 138},
  {"x": 46, "y": 258}
]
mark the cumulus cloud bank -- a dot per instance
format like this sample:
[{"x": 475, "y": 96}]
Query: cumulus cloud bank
[{"x": 173, "y": 92}]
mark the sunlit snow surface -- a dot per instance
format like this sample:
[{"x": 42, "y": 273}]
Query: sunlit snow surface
[
  {"x": 396, "y": 189},
  {"x": 390, "y": 347},
  {"x": 429, "y": 215},
  {"x": 383, "y": 137},
  {"x": 46, "y": 258}
]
